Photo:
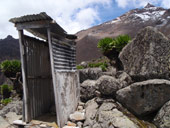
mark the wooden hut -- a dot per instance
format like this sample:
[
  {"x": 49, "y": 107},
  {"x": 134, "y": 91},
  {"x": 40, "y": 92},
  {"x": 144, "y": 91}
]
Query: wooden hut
[{"x": 48, "y": 67}]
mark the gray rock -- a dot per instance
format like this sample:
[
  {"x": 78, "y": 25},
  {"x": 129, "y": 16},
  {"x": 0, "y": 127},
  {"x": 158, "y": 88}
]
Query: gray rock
[
  {"x": 89, "y": 73},
  {"x": 124, "y": 78},
  {"x": 147, "y": 56},
  {"x": 84, "y": 64},
  {"x": 162, "y": 119},
  {"x": 70, "y": 127},
  {"x": 91, "y": 108},
  {"x": 112, "y": 118},
  {"x": 87, "y": 90},
  {"x": 77, "y": 116},
  {"x": 108, "y": 85},
  {"x": 12, "y": 116},
  {"x": 80, "y": 124},
  {"x": 14, "y": 106},
  {"x": 143, "y": 98},
  {"x": 3, "y": 123},
  {"x": 107, "y": 113}
]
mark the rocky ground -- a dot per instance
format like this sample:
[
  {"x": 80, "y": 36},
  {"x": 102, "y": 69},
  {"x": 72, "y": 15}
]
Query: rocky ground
[{"x": 12, "y": 111}]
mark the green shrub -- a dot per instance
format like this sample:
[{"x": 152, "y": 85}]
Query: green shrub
[
  {"x": 107, "y": 44},
  {"x": 6, "y": 91},
  {"x": 120, "y": 42},
  {"x": 10, "y": 67},
  {"x": 103, "y": 67},
  {"x": 6, "y": 101},
  {"x": 79, "y": 67}
]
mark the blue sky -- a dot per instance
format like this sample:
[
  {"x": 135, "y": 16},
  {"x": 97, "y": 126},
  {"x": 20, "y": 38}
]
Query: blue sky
[{"x": 72, "y": 15}]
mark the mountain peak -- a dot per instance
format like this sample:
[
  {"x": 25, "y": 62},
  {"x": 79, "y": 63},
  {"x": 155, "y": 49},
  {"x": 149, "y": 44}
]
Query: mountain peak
[
  {"x": 9, "y": 37},
  {"x": 149, "y": 5}
]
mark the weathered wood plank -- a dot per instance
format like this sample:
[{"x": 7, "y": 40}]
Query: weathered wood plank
[
  {"x": 54, "y": 78},
  {"x": 33, "y": 24},
  {"x": 27, "y": 108}
]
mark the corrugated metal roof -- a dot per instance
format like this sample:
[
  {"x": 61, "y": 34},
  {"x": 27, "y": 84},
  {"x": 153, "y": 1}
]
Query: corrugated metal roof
[
  {"x": 41, "y": 32},
  {"x": 29, "y": 18}
]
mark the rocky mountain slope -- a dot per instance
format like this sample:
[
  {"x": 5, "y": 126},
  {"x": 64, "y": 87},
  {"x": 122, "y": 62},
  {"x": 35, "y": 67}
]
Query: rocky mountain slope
[
  {"x": 9, "y": 48},
  {"x": 129, "y": 23}
]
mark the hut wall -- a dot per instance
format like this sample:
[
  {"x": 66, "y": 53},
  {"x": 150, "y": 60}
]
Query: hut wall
[
  {"x": 68, "y": 94},
  {"x": 39, "y": 79},
  {"x": 66, "y": 79}
]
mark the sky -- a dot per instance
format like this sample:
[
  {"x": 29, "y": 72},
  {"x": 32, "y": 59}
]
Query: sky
[{"x": 72, "y": 15}]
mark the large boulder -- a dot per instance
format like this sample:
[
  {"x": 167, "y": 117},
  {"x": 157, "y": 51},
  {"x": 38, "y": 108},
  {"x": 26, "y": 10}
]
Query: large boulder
[
  {"x": 162, "y": 119},
  {"x": 143, "y": 98},
  {"x": 108, "y": 85},
  {"x": 89, "y": 74},
  {"x": 107, "y": 113},
  {"x": 147, "y": 56},
  {"x": 88, "y": 90}
]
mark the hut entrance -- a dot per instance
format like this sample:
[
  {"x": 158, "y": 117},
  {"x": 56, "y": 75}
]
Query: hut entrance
[
  {"x": 48, "y": 68},
  {"x": 39, "y": 77}
]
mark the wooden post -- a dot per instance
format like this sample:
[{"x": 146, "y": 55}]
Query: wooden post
[
  {"x": 53, "y": 77},
  {"x": 26, "y": 114}
]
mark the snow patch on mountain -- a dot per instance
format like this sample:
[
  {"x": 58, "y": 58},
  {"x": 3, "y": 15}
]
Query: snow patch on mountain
[
  {"x": 114, "y": 21},
  {"x": 145, "y": 16},
  {"x": 151, "y": 8},
  {"x": 164, "y": 22}
]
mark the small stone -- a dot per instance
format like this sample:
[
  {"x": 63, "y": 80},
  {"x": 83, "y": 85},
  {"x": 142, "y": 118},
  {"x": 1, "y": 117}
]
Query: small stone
[
  {"x": 79, "y": 124},
  {"x": 70, "y": 127},
  {"x": 97, "y": 93},
  {"x": 69, "y": 123},
  {"x": 43, "y": 126},
  {"x": 77, "y": 116},
  {"x": 80, "y": 108},
  {"x": 81, "y": 103}
]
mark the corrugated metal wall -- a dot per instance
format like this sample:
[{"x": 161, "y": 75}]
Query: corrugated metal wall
[
  {"x": 64, "y": 56},
  {"x": 39, "y": 78}
]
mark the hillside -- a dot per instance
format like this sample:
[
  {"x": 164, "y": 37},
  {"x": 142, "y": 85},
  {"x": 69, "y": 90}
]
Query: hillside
[
  {"x": 9, "y": 49},
  {"x": 129, "y": 23}
]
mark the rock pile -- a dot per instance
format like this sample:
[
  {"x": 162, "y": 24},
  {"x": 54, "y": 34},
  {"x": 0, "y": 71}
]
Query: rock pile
[{"x": 143, "y": 88}]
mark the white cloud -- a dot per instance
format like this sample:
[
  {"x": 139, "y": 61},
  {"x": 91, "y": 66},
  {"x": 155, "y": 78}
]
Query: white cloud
[
  {"x": 72, "y": 15},
  {"x": 142, "y": 3},
  {"x": 166, "y": 3}
]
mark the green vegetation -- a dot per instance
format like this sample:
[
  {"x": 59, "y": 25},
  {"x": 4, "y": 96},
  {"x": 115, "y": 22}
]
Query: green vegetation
[
  {"x": 120, "y": 42},
  {"x": 79, "y": 67},
  {"x": 6, "y": 101},
  {"x": 107, "y": 44},
  {"x": 6, "y": 91},
  {"x": 102, "y": 65},
  {"x": 10, "y": 67}
]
